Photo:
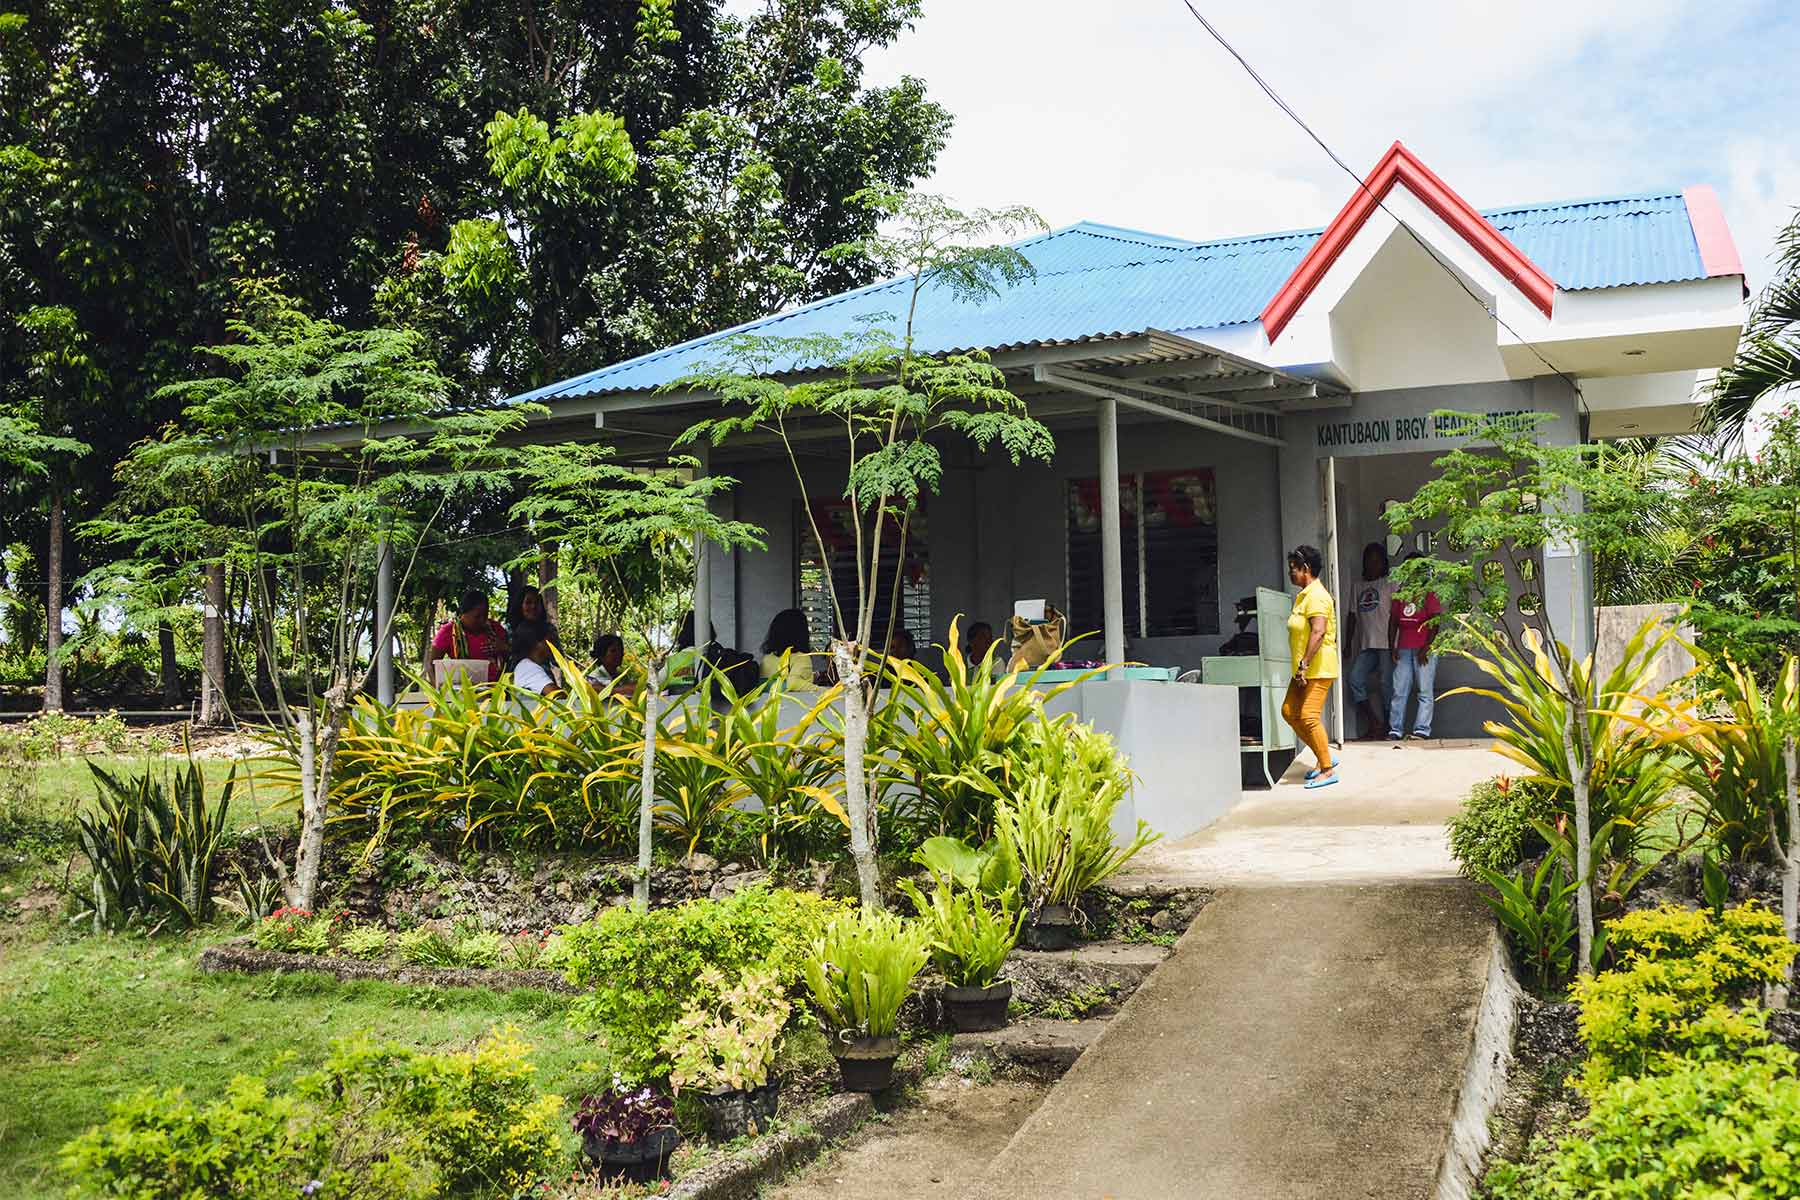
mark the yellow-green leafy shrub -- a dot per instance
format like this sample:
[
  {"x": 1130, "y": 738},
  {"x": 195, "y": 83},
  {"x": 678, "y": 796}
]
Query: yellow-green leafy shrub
[
  {"x": 640, "y": 970},
  {"x": 1703, "y": 1129},
  {"x": 1675, "y": 994},
  {"x": 377, "y": 1123}
]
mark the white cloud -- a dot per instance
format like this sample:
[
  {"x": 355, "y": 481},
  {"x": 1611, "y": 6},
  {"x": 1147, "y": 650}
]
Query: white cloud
[{"x": 1127, "y": 112}]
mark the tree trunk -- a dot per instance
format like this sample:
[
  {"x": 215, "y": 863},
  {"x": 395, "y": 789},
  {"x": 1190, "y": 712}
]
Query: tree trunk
[
  {"x": 170, "y": 671},
  {"x": 1790, "y": 874},
  {"x": 547, "y": 580},
  {"x": 1575, "y": 734},
  {"x": 318, "y": 753},
  {"x": 263, "y": 627},
  {"x": 212, "y": 652},
  {"x": 862, "y": 814},
  {"x": 53, "y": 606},
  {"x": 640, "y": 892}
]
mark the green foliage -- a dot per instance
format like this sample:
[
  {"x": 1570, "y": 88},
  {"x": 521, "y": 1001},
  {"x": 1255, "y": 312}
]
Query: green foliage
[
  {"x": 1713, "y": 1129},
  {"x": 480, "y": 948},
  {"x": 1536, "y": 910},
  {"x": 860, "y": 970},
  {"x": 971, "y": 935},
  {"x": 1671, "y": 999},
  {"x": 957, "y": 738},
  {"x": 375, "y": 1121},
  {"x": 726, "y": 1039},
  {"x": 152, "y": 844},
  {"x": 1492, "y": 831},
  {"x": 1740, "y": 776},
  {"x": 366, "y": 942},
  {"x": 639, "y": 971},
  {"x": 784, "y": 774},
  {"x": 1058, "y": 825},
  {"x": 1768, "y": 357},
  {"x": 1633, "y": 756},
  {"x": 425, "y": 947},
  {"x": 988, "y": 868}
]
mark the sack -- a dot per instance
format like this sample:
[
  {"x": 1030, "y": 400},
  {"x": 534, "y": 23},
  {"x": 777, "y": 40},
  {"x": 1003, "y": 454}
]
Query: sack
[{"x": 1034, "y": 644}]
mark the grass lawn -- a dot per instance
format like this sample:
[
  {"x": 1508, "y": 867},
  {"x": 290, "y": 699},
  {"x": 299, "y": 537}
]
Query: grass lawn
[
  {"x": 88, "y": 1020},
  {"x": 64, "y": 784}
]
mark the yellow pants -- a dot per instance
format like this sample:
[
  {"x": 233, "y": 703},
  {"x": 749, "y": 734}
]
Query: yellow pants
[{"x": 1301, "y": 709}]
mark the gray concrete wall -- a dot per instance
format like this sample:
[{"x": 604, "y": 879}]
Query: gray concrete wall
[{"x": 1619, "y": 622}]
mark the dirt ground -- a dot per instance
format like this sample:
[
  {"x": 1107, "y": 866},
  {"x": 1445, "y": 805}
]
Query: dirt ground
[{"x": 929, "y": 1151}]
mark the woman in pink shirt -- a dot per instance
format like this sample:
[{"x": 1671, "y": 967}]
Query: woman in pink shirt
[
  {"x": 1411, "y": 627},
  {"x": 470, "y": 634}
]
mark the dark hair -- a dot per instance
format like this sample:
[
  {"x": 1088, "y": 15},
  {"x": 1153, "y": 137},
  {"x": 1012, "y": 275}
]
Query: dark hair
[
  {"x": 1381, "y": 550},
  {"x": 980, "y": 627},
  {"x": 788, "y": 633},
  {"x": 1308, "y": 557},
  {"x": 524, "y": 642},
  {"x": 515, "y": 611},
  {"x": 684, "y": 638},
  {"x": 901, "y": 631},
  {"x": 472, "y": 599},
  {"x": 604, "y": 642}
]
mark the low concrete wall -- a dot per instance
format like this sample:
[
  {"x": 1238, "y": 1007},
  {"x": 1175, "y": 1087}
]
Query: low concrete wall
[
  {"x": 1182, "y": 740},
  {"x": 1619, "y": 622},
  {"x": 1484, "y": 1078}
]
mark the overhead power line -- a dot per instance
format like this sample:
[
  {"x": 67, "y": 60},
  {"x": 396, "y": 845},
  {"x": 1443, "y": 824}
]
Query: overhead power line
[{"x": 1275, "y": 97}]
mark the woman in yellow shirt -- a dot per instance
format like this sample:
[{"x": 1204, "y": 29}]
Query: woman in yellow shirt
[{"x": 1313, "y": 641}]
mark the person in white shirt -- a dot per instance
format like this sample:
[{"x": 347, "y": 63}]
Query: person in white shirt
[
  {"x": 1369, "y": 641},
  {"x": 530, "y": 673}
]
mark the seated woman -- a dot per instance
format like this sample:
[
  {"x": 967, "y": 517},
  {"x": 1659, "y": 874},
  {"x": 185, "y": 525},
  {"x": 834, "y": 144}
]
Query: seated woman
[
  {"x": 527, "y": 613},
  {"x": 470, "y": 634},
  {"x": 609, "y": 664},
  {"x": 788, "y": 634},
  {"x": 532, "y": 673}
]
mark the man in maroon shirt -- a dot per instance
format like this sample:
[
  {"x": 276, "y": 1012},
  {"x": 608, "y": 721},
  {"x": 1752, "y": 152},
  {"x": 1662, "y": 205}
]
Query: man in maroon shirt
[{"x": 1411, "y": 627}]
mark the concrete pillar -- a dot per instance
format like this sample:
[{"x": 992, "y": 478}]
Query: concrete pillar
[
  {"x": 1112, "y": 566},
  {"x": 384, "y": 620},
  {"x": 703, "y": 621}
]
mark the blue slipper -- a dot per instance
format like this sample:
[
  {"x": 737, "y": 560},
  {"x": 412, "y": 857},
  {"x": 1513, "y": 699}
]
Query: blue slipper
[
  {"x": 1314, "y": 773},
  {"x": 1319, "y": 783}
]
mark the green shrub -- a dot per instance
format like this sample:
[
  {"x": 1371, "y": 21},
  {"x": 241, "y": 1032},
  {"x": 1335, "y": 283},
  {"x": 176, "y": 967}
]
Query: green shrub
[
  {"x": 365, "y": 942},
  {"x": 1671, "y": 999},
  {"x": 153, "y": 843},
  {"x": 279, "y": 929},
  {"x": 1703, "y": 1129},
  {"x": 969, "y": 933},
  {"x": 377, "y": 1123},
  {"x": 860, "y": 970},
  {"x": 480, "y": 948},
  {"x": 639, "y": 970},
  {"x": 1492, "y": 831},
  {"x": 424, "y": 947}
]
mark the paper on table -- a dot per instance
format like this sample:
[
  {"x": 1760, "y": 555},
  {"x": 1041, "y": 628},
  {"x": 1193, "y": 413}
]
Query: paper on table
[{"x": 1029, "y": 610}]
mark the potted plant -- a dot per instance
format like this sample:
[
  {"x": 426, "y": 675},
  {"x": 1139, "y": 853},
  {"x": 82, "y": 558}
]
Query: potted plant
[
  {"x": 1057, "y": 826},
  {"x": 724, "y": 1047},
  {"x": 859, "y": 972},
  {"x": 629, "y": 1131},
  {"x": 971, "y": 935}
]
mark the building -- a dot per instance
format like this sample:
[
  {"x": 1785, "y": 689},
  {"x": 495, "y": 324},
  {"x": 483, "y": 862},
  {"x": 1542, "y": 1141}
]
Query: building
[{"x": 1254, "y": 394}]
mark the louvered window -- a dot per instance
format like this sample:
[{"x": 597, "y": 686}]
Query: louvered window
[
  {"x": 1169, "y": 551},
  {"x": 835, "y": 522}
]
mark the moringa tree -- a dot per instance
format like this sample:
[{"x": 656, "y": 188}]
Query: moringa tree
[
  {"x": 1505, "y": 496},
  {"x": 889, "y": 409},
  {"x": 351, "y": 438},
  {"x": 637, "y": 531}
]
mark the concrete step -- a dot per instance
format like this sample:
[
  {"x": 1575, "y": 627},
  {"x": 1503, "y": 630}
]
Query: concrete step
[{"x": 1040, "y": 1046}]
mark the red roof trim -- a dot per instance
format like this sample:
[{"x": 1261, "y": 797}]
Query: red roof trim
[
  {"x": 1718, "y": 253},
  {"x": 1400, "y": 165}
]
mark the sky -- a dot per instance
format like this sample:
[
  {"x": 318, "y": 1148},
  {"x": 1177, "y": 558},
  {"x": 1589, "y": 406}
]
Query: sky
[{"x": 1127, "y": 112}]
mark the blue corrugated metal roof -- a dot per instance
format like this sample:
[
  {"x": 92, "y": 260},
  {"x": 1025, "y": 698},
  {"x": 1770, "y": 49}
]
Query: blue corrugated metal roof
[{"x": 1097, "y": 280}]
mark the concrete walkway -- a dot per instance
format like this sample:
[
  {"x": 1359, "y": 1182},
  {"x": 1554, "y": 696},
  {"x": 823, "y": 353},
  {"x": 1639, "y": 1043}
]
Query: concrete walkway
[{"x": 1309, "y": 1034}]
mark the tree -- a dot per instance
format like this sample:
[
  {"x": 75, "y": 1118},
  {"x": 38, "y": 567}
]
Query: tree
[
  {"x": 353, "y": 438},
  {"x": 61, "y": 380},
  {"x": 615, "y": 518},
  {"x": 1504, "y": 495},
  {"x": 1768, "y": 356},
  {"x": 890, "y": 409}
]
